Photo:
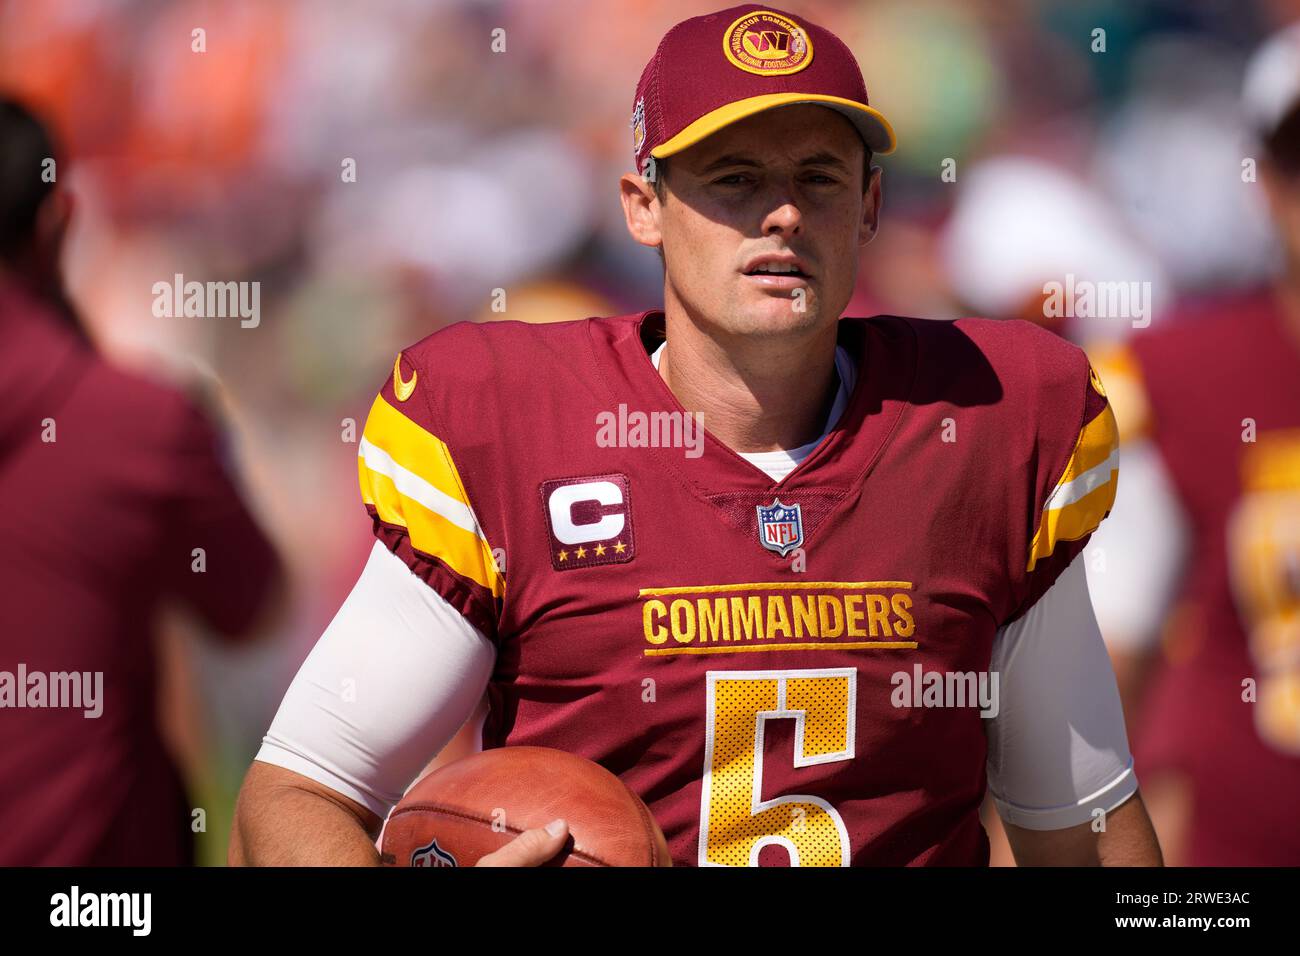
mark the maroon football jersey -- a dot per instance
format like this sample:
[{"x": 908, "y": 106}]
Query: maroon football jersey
[
  {"x": 1219, "y": 393},
  {"x": 722, "y": 642}
]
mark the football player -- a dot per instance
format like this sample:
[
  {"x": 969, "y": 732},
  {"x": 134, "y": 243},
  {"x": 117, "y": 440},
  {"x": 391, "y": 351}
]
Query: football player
[
  {"x": 754, "y": 630},
  {"x": 1206, "y": 549}
]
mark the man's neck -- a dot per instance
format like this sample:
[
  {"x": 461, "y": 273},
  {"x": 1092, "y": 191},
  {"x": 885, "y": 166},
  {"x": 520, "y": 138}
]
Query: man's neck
[{"x": 756, "y": 394}]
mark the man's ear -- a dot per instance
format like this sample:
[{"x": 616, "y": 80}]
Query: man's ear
[
  {"x": 641, "y": 209},
  {"x": 870, "y": 208}
]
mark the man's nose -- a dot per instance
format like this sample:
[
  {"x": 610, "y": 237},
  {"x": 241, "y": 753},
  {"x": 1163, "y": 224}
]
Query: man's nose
[{"x": 783, "y": 214}]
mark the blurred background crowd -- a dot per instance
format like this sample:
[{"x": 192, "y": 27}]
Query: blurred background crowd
[{"x": 1108, "y": 156}]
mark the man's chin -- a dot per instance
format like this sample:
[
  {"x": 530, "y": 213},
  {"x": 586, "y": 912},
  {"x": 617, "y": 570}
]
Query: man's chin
[{"x": 778, "y": 314}]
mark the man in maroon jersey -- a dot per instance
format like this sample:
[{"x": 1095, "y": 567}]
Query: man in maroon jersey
[
  {"x": 108, "y": 482},
  {"x": 752, "y": 624},
  {"x": 1209, "y": 410}
]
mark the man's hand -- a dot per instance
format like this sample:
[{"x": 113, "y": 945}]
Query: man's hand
[
  {"x": 285, "y": 819},
  {"x": 530, "y": 848}
]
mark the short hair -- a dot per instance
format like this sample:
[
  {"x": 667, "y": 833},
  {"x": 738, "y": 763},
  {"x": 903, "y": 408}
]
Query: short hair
[{"x": 24, "y": 147}]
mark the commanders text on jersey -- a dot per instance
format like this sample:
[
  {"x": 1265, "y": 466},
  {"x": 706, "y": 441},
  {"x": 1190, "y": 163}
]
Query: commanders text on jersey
[{"x": 718, "y": 619}]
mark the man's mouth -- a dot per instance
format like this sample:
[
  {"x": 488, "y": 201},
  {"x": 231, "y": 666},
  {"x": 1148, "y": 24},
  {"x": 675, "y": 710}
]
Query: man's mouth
[
  {"x": 777, "y": 268},
  {"x": 778, "y": 273}
]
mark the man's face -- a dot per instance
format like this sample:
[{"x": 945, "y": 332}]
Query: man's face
[{"x": 781, "y": 188}]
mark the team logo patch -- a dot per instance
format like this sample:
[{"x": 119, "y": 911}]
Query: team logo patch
[
  {"x": 638, "y": 125},
  {"x": 780, "y": 527},
  {"x": 768, "y": 44},
  {"x": 432, "y": 855},
  {"x": 589, "y": 521}
]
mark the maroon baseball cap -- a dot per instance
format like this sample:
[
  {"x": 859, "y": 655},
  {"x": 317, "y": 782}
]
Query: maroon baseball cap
[{"x": 713, "y": 70}]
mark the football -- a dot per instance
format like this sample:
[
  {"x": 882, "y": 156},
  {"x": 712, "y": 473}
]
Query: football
[{"x": 467, "y": 809}]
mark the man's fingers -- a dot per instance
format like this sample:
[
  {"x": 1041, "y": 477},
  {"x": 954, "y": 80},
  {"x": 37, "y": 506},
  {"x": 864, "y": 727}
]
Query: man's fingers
[{"x": 530, "y": 848}]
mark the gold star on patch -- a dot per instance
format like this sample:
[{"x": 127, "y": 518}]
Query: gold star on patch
[
  {"x": 619, "y": 547},
  {"x": 600, "y": 550},
  {"x": 581, "y": 552},
  {"x": 564, "y": 556}
]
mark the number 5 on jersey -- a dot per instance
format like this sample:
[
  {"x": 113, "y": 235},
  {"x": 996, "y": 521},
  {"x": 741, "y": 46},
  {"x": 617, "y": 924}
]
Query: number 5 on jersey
[{"x": 735, "y": 823}]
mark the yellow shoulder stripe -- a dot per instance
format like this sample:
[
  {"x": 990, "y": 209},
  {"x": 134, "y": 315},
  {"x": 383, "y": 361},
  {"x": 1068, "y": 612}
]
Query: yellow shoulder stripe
[
  {"x": 408, "y": 476},
  {"x": 1085, "y": 492}
]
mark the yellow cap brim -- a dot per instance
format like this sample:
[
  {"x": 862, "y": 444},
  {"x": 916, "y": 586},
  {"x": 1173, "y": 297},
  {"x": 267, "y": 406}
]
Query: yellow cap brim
[{"x": 871, "y": 124}]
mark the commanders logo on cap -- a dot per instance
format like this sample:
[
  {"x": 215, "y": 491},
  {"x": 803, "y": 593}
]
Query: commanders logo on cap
[{"x": 768, "y": 44}]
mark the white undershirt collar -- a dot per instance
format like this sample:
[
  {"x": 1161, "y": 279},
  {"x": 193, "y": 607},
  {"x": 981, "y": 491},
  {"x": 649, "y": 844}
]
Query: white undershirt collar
[{"x": 777, "y": 464}]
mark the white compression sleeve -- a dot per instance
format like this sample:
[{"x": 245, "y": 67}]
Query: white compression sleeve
[
  {"x": 393, "y": 678},
  {"x": 1058, "y": 748}
]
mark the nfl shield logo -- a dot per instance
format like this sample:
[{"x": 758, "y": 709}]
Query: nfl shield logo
[
  {"x": 780, "y": 527},
  {"x": 432, "y": 855}
]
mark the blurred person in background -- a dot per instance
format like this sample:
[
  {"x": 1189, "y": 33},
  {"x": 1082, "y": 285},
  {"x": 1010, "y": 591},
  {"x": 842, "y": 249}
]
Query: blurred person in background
[
  {"x": 109, "y": 485},
  {"x": 1205, "y": 627}
]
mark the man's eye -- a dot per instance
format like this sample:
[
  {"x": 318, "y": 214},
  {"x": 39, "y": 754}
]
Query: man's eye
[
  {"x": 821, "y": 179},
  {"x": 735, "y": 179}
]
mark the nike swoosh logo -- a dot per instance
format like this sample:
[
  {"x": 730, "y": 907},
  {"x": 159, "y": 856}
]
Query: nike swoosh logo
[
  {"x": 1096, "y": 381},
  {"x": 403, "y": 390}
]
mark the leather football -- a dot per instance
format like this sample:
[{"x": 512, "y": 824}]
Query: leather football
[{"x": 473, "y": 806}]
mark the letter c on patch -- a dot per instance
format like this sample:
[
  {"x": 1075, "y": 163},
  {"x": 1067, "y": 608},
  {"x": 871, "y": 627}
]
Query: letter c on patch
[{"x": 565, "y": 497}]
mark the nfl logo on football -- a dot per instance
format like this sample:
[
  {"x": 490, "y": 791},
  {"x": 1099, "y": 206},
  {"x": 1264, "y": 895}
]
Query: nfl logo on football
[
  {"x": 780, "y": 527},
  {"x": 432, "y": 855}
]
